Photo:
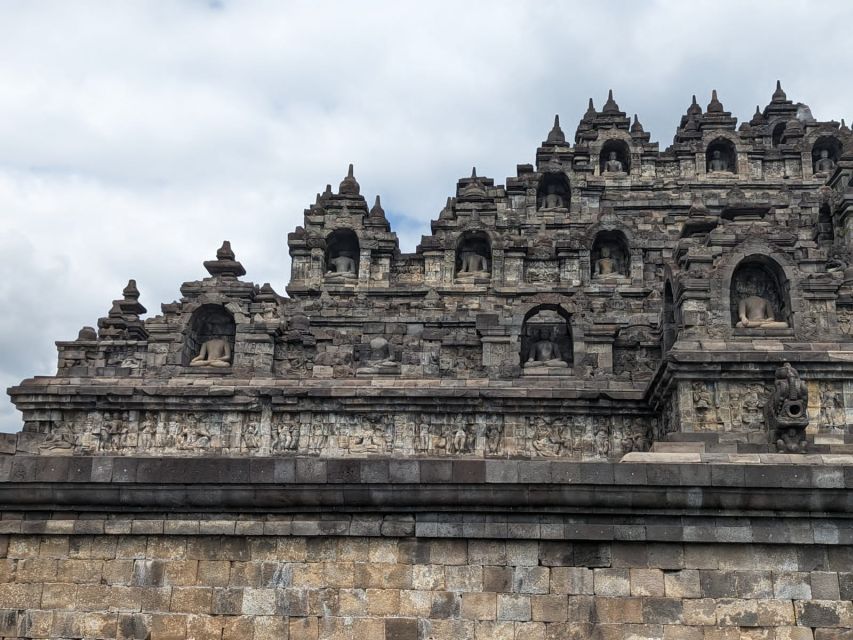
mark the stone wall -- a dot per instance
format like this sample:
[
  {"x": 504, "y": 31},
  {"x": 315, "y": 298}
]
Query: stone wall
[
  {"x": 128, "y": 585},
  {"x": 674, "y": 546}
]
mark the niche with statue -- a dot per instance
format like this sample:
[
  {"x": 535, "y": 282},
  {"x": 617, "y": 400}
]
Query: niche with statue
[
  {"x": 342, "y": 255},
  {"x": 209, "y": 338},
  {"x": 546, "y": 341},
  {"x": 615, "y": 157},
  {"x": 609, "y": 257},
  {"x": 553, "y": 193},
  {"x": 721, "y": 157},
  {"x": 473, "y": 256},
  {"x": 759, "y": 295}
]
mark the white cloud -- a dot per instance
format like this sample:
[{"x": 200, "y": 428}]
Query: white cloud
[{"x": 135, "y": 136}]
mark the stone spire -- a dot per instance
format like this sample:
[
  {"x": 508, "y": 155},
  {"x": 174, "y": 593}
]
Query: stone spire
[
  {"x": 590, "y": 111},
  {"x": 122, "y": 322},
  {"x": 636, "y": 127},
  {"x": 556, "y": 135},
  {"x": 610, "y": 106},
  {"x": 349, "y": 186},
  {"x": 715, "y": 106},
  {"x": 694, "y": 109},
  {"x": 778, "y": 95},
  {"x": 758, "y": 118},
  {"x": 376, "y": 211},
  {"x": 377, "y": 216},
  {"x": 225, "y": 265}
]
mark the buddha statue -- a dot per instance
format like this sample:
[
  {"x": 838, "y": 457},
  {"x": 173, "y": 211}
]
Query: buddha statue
[
  {"x": 215, "y": 352},
  {"x": 613, "y": 165},
  {"x": 380, "y": 358},
  {"x": 544, "y": 352},
  {"x": 473, "y": 264},
  {"x": 342, "y": 266},
  {"x": 718, "y": 163},
  {"x": 553, "y": 200},
  {"x": 605, "y": 265},
  {"x": 824, "y": 164},
  {"x": 755, "y": 312}
]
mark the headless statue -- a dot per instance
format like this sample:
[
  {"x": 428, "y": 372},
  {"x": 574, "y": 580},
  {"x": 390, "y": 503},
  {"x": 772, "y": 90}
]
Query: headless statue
[
  {"x": 825, "y": 164},
  {"x": 380, "y": 358},
  {"x": 613, "y": 165},
  {"x": 545, "y": 352},
  {"x": 718, "y": 163},
  {"x": 553, "y": 200},
  {"x": 754, "y": 312},
  {"x": 473, "y": 263},
  {"x": 605, "y": 265},
  {"x": 215, "y": 352},
  {"x": 342, "y": 265}
]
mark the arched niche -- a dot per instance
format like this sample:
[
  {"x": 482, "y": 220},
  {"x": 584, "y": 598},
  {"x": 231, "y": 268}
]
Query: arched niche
[
  {"x": 825, "y": 153},
  {"x": 546, "y": 340},
  {"x": 342, "y": 254},
  {"x": 553, "y": 192},
  {"x": 610, "y": 256},
  {"x": 721, "y": 156},
  {"x": 615, "y": 157},
  {"x": 209, "y": 336},
  {"x": 778, "y": 134},
  {"x": 473, "y": 255},
  {"x": 669, "y": 325},
  {"x": 759, "y": 295}
]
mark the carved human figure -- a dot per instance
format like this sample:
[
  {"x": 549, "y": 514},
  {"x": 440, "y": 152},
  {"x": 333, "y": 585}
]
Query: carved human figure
[
  {"x": 755, "y": 312},
  {"x": 613, "y": 164},
  {"x": 824, "y": 164},
  {"x": 553, "y": 200},
  {"x": 215, "y": 352},
  {"x": 460, "y": 440},
  {"x": 380, "y": 358},
  {"x": 602, "y": 442},
  {"x": 605, "y": 265},
  {"x": 493, "y": 438},
  {"x": 544, "y": 352},
  {"x": 718, "y": 163},
  {"x": 472, "y": 263},
  {"x": 342, "y": 265}
]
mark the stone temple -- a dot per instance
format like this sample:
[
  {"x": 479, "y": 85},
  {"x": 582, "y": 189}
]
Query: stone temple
[{"x": 609, "y": 399}]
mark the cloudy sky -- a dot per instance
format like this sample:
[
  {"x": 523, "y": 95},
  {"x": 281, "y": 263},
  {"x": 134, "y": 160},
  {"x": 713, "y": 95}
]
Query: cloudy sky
[{"x": 136, "y": 136}]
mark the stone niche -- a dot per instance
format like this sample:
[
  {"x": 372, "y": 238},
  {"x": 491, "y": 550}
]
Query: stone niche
[
  {"x": 825, "y": 154},
  {"x": 721, "y": 157},
  {"x": 610, "y": 257},
  {"x": 546, "y": 341},
  {"x": 342, "y": 255},
  {"x": 553, "y": 192},
  {"x": 473, "y": 256},
  {"x": 208, "y": 322},
  {"x": 615, "y": 157},
  {"x": 761, "y": 277}
]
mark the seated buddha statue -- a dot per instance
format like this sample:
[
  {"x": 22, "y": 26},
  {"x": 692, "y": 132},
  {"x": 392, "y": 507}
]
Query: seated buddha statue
[
  {"x": 553, "y": 200},
  {"x": 342, "y": 266},
  {"x": 824, "y": 164},
  {"x": 718, "y": 162},
  {"x": 755, "y": 312},
  {"x": 544, "y": 352},
  {"x": 605, "y": 265},
  {"x": 215, "y": 352},
  {"x": 613, "y": 165}
]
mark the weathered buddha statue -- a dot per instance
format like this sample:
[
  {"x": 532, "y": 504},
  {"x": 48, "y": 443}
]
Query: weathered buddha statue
[
  {"x": 605, "y": 265},
  {"x": 718, "y": 162},
  {"x": 342, "y": 266},
  {"x": 613, "y": 164},
  {"x": 824, "y": 164},
  {"x": 473, "y": 264},
  {"x": 553, "y": 200},
  {"x": 755, "y": 312},
  {"x": 215, "y": 352},
  {"x": 380, "y": 358},
  {"x": 544, "y": 352}
]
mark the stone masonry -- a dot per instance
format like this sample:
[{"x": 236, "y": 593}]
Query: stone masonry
[{"x": 610, "y": 398}]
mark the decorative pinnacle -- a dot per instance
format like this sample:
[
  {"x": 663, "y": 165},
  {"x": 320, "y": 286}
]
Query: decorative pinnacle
[
  {"x": 757, "y": 118},
  {"x": 715, "y": 106},
  {"x": 556, "y": 134},
  {"x": 225, "y": 264},
  {"x": 377, "y": 211},
  {"x": 636, "y": 127},
  {"x": 474, "y": 173},
  {"x": 130, "y": 292},
  {"x": 224, "y": 252},
  {"x": 610, "y": 106},
  {"x": 694, "y": 109},
  {"x": 778, "y": 95},
  {"x": 349, "y": 185},
  {"x": 590, "y": 110}
]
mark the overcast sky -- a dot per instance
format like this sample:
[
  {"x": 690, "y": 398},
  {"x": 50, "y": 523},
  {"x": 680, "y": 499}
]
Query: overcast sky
[{"x": 136, "y": 136}]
